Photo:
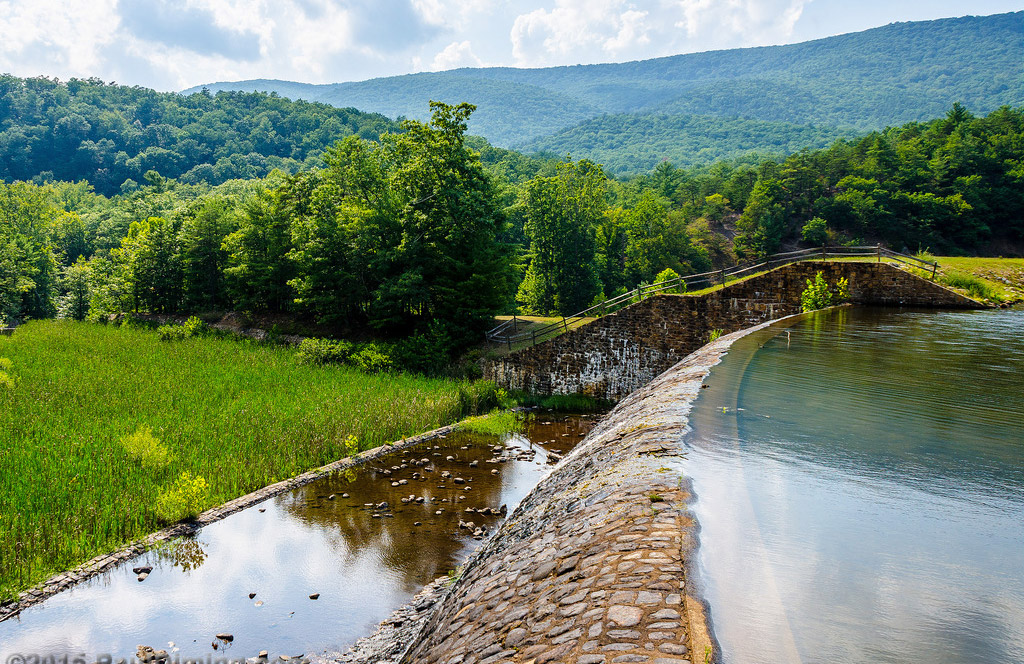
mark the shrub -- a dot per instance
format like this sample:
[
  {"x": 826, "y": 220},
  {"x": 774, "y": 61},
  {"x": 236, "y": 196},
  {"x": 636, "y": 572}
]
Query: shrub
[
  {"x": 668, "y": 274},
  {"x": 323, "y": 351},
  {"x": 184, "y": 499},
  {"x": 815, "y": 232},
  {"x": 145, "y": 448},
  {"x": 372, "y": 358},
  {"x": 819, "y": 294},
  {"x": 193, "y": 327},
  {"x": 169, "y": 333},
  {"x": 427, "y": 353}
]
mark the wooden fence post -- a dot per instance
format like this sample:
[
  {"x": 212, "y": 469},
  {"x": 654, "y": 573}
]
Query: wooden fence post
[{"x": 878, "y": 250}]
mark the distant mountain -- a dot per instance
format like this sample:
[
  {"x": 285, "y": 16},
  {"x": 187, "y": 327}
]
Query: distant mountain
[
  {"x": 629, "y": 142},
  {"x": 860, "y": 81}
]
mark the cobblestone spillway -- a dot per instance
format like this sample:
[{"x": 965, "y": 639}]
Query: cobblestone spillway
[{"x": 592, "y": 566}]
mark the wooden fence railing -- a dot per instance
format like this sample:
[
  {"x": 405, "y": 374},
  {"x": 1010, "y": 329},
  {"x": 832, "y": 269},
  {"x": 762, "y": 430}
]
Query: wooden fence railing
[{"x": 507, "y": 333}]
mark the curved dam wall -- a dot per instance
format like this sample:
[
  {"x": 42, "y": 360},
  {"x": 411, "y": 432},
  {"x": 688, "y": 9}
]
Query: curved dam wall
[
  {"x": 620, "y": 352},
  {"x": 591, "y": 568}
]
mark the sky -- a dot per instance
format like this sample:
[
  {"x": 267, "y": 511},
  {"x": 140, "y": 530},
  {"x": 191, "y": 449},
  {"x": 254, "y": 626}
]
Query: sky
[{"x": 176, "y": 44}]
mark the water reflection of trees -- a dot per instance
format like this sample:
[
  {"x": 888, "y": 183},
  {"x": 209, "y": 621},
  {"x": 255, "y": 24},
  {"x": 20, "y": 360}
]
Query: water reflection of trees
[
  {"x": 417, "y": 553},
  {"x": 186, "y": 553},
  {"x": 891, "y": 394}
]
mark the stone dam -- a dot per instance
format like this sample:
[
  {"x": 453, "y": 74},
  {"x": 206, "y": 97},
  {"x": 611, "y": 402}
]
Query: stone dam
[
  {"x": 592, "y": 567},
  {"x": 621, "y": 352}
]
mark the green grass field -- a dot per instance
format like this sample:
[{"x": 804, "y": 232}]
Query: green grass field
[{"x": 79, "y": 475}]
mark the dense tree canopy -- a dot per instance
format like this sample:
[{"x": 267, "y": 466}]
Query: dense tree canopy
[
  {"x": 112, "y": 135},
  {"x": 419, "y": 237}
]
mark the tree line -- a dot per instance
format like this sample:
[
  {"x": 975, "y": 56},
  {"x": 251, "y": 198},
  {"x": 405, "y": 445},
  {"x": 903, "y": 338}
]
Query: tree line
[{"x": 423, "y": 234}]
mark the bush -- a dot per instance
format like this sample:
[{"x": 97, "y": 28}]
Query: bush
[
  {"x": 145, "y": 448},
  {"x": 815, "y": 232},
  {"x": 324, "y": 351},
  {"x": 427, "y": 353},
  {"x": 668, "y": 274},
  {"x": 819, "y": 294},
  {"x": 193, "y": 327},
  {"x": 185, "y": 499},
  {"x": 372, "y": 358}
]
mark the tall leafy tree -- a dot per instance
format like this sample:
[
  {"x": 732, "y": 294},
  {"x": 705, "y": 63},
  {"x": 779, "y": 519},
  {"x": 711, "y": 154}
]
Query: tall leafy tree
[
  {"x": 150, "y": 259},
  {"x": 763, "y": 222},
  {"x": 203, "y": 256},
  {"x": 561, "y": 214},
  {"x": 258, "y": 269}
]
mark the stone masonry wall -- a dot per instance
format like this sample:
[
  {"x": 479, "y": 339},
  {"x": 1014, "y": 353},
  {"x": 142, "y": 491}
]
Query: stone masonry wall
[
  {"x": 591, "y": 567},
  {"x": 618, "y": 353}
]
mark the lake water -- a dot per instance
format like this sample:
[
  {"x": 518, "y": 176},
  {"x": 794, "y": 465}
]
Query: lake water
[
  {"x": 859, "y": 482},
  {"x": 363, "y": 560}
]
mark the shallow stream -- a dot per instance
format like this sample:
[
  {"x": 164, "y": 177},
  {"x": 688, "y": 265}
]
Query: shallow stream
[{"x": 349, "y": 539}]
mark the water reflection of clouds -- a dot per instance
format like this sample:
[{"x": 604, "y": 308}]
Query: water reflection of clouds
[
  {"x": 362, "y": 568},
  {"x": 878, "y": 544}
]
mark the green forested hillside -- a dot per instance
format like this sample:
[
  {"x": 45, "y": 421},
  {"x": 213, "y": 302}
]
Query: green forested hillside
[
  {"x": 110, "y": 134},
  {"x": 420, "y": 238},
  {"x": 867, "y": 80},
  {"x": 625, "y": 143}
]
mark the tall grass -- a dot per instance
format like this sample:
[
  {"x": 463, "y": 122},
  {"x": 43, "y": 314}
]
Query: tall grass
[
  {"x": 974, "y": 285},
  {"x": 100, "y": 422}
]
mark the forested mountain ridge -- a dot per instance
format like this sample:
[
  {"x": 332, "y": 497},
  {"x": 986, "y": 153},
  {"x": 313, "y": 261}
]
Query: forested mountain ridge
[
  {"x": 866, "y": 80},
  {"x": 626, "y": 143},
  {"x": 112, "y": 134}
]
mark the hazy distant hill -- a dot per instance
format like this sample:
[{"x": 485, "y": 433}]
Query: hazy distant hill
[
  {"x": 626, "y": 143},
  {"x": 860, "y": 81}
]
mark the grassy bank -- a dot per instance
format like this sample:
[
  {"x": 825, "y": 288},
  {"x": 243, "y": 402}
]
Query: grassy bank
[
  {"x": 1002, "y": 277},
  {"x": 98, "y": 425}
]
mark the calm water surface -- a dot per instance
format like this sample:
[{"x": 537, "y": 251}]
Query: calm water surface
[
  {"x": 860, "y": 489},
  {"x": 362, "y": 560}
]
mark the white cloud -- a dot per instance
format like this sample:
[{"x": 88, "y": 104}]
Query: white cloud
[
  {"x": 455, "y": 55},
  {"x": 326, "y": 41},
  {"x": 56, "y": 36},
  {"x": 574, "y": 31},
  {"x": 752, "y": 19}
]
